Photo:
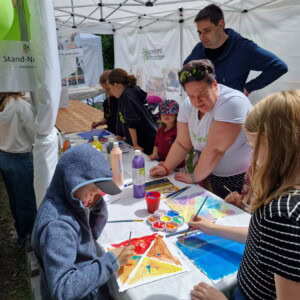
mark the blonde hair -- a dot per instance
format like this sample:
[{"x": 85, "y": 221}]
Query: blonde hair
[
  {"x": 4, "y": 97},
  {"x": 277, "y": 117}
]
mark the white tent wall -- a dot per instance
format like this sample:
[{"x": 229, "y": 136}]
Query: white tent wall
[
  {"x": 92, "y": 57},
  {"x": 47, "y": 94},
  {"x": 272, "y": 24},
  {"x": 273, "y": 27}
]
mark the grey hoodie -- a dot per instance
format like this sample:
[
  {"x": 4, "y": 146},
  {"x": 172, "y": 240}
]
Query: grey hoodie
[{"x": 65, "y": 231}]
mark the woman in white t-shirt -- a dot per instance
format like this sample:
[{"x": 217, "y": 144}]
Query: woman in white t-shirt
[
  {"x": 16, "y": 165},
  {"x": 210, "y": 120}
]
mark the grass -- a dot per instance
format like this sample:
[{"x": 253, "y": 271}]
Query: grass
[{"x": 14, "y": 280}]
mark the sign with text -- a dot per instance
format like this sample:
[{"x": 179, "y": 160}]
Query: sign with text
[{"x": 17, "y": 67}]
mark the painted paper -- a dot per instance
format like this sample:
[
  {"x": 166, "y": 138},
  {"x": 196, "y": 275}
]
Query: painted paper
[
  {"x": 187, "y": 206},
  {"x": 215, "y": 256},
  {"x": 165, "y": 187},
  {"x": 154, "y": 259}
]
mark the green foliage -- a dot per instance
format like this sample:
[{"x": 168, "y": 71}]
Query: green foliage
[{"x": 108, "y": 51}]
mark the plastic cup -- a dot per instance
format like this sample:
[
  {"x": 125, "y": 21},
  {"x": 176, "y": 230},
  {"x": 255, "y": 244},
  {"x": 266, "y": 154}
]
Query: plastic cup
[{"x": 152, "y": 199}]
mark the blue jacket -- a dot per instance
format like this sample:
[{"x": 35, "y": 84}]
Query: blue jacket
[
  {"x": 238, "y": 59},
  {"x": 65, "y": 231}
]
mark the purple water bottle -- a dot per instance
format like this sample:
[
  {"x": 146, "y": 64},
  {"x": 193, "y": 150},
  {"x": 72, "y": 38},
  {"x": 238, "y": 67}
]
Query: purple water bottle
[{"x": 138, "y": 175}]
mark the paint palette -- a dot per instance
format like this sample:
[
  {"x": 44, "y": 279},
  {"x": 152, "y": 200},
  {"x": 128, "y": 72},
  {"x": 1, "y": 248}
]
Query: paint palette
[{"x": 163, "y": 220}]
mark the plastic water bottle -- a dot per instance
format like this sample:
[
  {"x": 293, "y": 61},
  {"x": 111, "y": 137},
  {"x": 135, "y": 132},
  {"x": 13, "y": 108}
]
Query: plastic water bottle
[
  {"x": 116, "y": 165},
  {"x": 138, "y": 175}
]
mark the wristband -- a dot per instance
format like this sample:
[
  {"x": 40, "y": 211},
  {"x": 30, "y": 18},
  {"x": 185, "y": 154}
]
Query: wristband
[{"x": 166, "y": 169}]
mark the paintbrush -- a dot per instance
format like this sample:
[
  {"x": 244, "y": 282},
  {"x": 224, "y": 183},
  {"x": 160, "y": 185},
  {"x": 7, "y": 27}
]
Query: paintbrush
[
  {"x": 183, "y": 237},
  {"x": 129, "y": 239},
  {"x": 124, "y": 248},
  {"x": 122, "y": 221},
  {"x": 176, "y": 193},
  {"x": 177, "y": 232},
  {"x": 225, "y": 187}
]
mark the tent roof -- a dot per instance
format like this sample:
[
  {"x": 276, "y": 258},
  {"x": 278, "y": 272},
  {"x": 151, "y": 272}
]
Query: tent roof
[{"x": 110, "y": 15}]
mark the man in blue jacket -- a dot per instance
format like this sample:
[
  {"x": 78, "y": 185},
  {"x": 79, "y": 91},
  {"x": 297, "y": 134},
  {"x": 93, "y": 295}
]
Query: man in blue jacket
[
  {"x": 69, "y": 221},
  {"x": 232, "y": 55}
]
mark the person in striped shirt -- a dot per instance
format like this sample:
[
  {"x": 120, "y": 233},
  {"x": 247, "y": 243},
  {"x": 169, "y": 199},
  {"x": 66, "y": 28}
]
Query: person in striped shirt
[{"x": 270, "y": 268}]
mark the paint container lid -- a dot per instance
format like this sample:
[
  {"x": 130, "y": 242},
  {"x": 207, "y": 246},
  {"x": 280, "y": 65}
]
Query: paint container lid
[
  {"x": 179, "y": 220},
  {"x": 172, "y": 213},
  {"x": 159, "y": 225},
  {"x": 165, "y": 218},
  {"x": 152, "y": 218},
  {"x": 171, "y": 226},
  {"x": 160, "y": 212}
]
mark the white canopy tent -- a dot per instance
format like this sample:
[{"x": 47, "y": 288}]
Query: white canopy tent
[
  {"x": 143, "y": 29},
  {"x": 152, "y": 38}
]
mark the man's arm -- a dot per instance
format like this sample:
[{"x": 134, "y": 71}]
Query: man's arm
[{"x": 271, "y": 66}]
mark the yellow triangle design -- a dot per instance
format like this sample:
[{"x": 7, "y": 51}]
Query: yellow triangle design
[{"x": 150, "y": 268}]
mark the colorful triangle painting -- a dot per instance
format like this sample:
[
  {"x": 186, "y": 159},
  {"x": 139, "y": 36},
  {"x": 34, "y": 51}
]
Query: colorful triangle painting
[{"x": 155, "y": 258}]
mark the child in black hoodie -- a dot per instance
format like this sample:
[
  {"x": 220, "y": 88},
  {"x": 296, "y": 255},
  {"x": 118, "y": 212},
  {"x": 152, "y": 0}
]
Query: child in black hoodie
[{"x": 135, "y": 121}]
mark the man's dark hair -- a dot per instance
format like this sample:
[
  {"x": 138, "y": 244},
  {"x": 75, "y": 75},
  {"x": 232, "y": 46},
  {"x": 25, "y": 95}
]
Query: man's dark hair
[{"x": 212, "y": 12}]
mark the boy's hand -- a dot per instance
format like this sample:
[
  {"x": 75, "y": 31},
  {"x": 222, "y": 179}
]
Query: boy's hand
[
  {"x": 123, "y": 254},
  {"x": 234, "y": 198}
]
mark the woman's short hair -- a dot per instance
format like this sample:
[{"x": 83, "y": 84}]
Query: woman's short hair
[
  {"x": 197, "y": 70},
  {"x": 121, "y": 76}
]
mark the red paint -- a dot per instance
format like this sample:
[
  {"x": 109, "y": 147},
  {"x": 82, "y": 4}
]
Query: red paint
[
  {"x": 159, "y": 224},
  {"x": 141, "y": 244}
]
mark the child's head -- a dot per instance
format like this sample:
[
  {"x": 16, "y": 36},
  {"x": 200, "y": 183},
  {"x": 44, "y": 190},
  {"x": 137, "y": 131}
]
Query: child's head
[
  {"x": 104, "y": 82},
  {"x": 273, "y": 129},
  {"x": 6, "y": 95},
  {"x": 82, "y": 173},
  {"x": 152, "y": 99},
  {"x": 168, "y": 110}
]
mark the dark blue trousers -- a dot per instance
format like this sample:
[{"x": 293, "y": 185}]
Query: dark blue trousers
[{"x": 17, "y": 172}]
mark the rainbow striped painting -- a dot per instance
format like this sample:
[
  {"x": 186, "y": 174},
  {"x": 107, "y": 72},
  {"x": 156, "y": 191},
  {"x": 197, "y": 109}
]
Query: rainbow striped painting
[{"x": 187, "y": 206}]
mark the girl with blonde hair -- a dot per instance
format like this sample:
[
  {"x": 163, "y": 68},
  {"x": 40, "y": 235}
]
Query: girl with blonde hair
[
  {"x": 16, "y": 164},
  {"x": 270, "y": 268}
]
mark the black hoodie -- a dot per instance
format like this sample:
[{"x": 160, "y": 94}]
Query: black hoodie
[{"x": 134, "y": 114}]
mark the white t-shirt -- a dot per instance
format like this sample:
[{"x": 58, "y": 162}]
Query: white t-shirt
[
  {"x": 231, "y": 106},
  {"x": 17, "y": 126}
]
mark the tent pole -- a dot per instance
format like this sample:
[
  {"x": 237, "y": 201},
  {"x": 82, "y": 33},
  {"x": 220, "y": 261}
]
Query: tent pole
[{"x": 181, "y": 21}]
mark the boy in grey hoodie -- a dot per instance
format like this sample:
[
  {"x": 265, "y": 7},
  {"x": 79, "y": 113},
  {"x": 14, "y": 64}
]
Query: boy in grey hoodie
[{"x": 69, "y": 221}]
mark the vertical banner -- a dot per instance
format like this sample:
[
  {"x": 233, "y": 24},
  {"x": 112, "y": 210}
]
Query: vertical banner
[
  {"x": 16, "y": 61},
  {"x": 155, "y": 61}
]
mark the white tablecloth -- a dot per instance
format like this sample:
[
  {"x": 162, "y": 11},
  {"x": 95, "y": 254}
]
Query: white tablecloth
[{"x": 174, "y": 287}]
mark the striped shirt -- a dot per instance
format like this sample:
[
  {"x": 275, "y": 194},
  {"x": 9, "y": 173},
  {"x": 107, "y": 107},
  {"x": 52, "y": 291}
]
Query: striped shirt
[{"x": 272, "y": 247}]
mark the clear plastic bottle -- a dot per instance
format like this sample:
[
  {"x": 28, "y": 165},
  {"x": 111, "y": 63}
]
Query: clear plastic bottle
[
  {"x": 117, "y": 165},
  {"x": 97, "y": 143},
  {"x": 138, "y": 175}
]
